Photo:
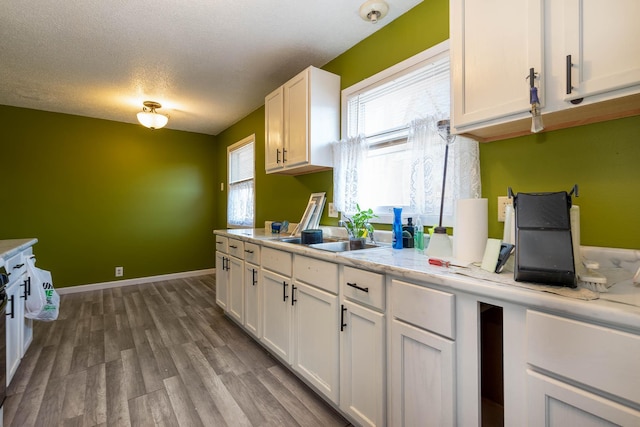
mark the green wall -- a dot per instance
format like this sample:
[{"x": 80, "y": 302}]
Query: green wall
[
  {"x": 99, "y": 194},
  {"x": 602, "y": 158}
]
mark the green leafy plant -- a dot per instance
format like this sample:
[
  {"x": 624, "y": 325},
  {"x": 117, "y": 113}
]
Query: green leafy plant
[{"x": 358, "y": 224}]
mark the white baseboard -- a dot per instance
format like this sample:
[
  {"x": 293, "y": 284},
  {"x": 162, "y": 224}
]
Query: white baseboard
[{"x": 136, "y": 281}]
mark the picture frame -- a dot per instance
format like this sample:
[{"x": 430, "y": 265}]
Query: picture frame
[{"x": 312, "y": 214}]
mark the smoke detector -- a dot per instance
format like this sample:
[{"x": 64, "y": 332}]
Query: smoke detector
[{"x": 374, "y": 10}]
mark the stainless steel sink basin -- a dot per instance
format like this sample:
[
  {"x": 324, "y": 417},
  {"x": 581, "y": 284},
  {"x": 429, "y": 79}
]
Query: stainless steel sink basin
[
  {"x": 294, "y": 240},
  {"x": 340, "y": 246}
]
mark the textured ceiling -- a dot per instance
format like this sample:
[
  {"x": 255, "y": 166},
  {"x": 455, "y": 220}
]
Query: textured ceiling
[{"x": 208, "y": 62}]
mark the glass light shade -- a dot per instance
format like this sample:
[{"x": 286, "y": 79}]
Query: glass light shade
[
  {"x": 152, "y": 120},
  {"x": 440, "y": 245}
]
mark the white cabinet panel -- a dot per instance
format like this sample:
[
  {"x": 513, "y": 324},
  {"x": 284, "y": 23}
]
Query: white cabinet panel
[
  {"x": 252, "y": 294},
  {"x": 15, "y": 315},
  {"x": 316, "y": 338},
  {"x": 422, "y": 378},
  {"x": 276, "y": 314},
  {"x": 222, "y": 280},
  {"x": 555, "y": 404},
  {"x": 235, "y": 303},
  {"x": 274, "y": 130},
  {"x": 362, "y": 365}
]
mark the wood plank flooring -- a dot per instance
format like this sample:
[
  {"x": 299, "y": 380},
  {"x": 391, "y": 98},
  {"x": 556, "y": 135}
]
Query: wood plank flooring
[{"x": 156, "y": 354}]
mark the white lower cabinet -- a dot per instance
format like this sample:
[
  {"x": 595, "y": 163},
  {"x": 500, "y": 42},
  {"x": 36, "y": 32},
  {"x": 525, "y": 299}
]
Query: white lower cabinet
[
  {"x": 362, "y": 364},
  {"x": 553, "y": 403},
  {"x": 276, "y": 314},
  {"x": 422, "y": 365},
  {"x": 252, "y": 291},
  {"x": 222, "y": 279},
  {"x": 15, "y": 318},
  {"x": 235, "y": 304},
  {"x": 316, "y": 338}
]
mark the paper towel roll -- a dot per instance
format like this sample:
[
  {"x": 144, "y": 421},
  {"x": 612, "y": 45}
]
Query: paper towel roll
[{"x": 471, "y": 229}]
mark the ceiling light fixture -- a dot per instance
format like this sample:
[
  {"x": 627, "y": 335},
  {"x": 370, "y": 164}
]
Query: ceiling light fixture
[
  {"x": 148, "y": 117},
  {"x": 374, "y": 10}
]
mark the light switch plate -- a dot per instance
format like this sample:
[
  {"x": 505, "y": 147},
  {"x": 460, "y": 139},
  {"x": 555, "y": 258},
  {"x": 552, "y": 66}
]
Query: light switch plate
[{"x": 503, "y": 201}]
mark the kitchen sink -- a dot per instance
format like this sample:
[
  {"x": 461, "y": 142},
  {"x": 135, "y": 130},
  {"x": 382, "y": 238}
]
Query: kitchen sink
[{"x": 339, "y": 246}]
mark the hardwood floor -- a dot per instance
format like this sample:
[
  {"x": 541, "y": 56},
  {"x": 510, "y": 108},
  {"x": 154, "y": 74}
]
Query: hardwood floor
[{"x": 155, "y": 354}]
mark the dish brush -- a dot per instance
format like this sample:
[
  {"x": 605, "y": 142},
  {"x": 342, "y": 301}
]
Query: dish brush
[{"x": 589, "y": 278}]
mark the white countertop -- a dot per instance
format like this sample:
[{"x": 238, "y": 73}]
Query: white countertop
[
  {"x": 619, "y": 307},
  {"x": 9, "y": 248}
]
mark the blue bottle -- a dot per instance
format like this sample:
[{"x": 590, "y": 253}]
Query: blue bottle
[{"x": 397, "y": 228}]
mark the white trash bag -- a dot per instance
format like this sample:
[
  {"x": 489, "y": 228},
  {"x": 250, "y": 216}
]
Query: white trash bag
[{"x": 44, "y": 301}]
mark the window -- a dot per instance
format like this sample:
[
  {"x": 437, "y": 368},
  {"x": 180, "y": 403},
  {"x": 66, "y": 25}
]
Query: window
[
  {"x": 241, "y": 199},
  {"x": 390, "y": 126}
]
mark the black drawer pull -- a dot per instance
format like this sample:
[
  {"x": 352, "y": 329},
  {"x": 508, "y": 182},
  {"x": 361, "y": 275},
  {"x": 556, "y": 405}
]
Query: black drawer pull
[
  {"x": 233, "y": 246},
  {"x": 355, "y": 285},
  {"x": 293, "y": 294},
  {"x": 11, "y": 303},
  {"x": 253, "y": 274},
  {"x": 342, "y": 324},
  {"x": 18, "y": 265},
  {"x": 284, "y": 291},
  {"x": 219, "y": 243},
  {"x": 278, "y": 156},
  {"x": 248, "y": 251}
]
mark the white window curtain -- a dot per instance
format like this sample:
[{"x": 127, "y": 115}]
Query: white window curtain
[
  {"x": 349, "y": 156},
  {"x": 427, "y": 150},
  {"x": 241, "y": 197}
]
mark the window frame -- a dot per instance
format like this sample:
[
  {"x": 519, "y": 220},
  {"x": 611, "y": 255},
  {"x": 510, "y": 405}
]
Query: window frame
[
  {"x": 251, "y": 139},
  {"x": 435, "y": 53}
]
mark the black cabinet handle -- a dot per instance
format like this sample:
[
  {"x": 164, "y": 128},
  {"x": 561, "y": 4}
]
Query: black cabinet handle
[
  {"x": 293, "y": 294},
  {"x": 233, "y": 246},
  {"x": 27, "y": 288},
  {"x": 277, "y": 155},
  {"x": 253, "y": 275},
  {"x": 568, "y": 79},
  {"x": 284, "y": 291},
  {"x": 11, "y": 302},
  {"x": 342, "y": 324},
  {"x": 18, "y": 265},
  {"x": 284, "y": 159},
  {"x": 218, "y": 243},
  {"x": 355, "y": 285},
  {"x": 248, "y": 251}
]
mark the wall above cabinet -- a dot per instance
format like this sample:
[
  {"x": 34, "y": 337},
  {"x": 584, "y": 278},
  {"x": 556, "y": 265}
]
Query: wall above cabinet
[
  {"x": 302, "y": 118},
  {"x": 584, "y": 74}
]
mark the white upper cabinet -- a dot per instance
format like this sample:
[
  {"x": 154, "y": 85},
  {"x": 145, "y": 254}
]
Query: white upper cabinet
[
  {"x": 601, "y": 38},
  {"x": 494, "y": 44},
  {"x": 302, "y": 118},
  {"x": 584, "y": 52}
]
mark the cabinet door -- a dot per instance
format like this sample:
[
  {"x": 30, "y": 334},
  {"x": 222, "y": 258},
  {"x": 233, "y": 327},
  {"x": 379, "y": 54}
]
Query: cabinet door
[
  {"x": 362, "y": 386},
  {"x": 252, "y": 299},
  {"x": 556, "y": 404},
  {"x": 222, "y": 280},
  {"x": 422, "y": 377},
  {"x": 276, "y": 314},
  {"x": 601, "y": 38},
  {"x": 494, "y": 44},
  {"x": 274, "y": 130},
  {"x": 316, "y": 338},
  {"x": 235, "y": 303},
  {"x": 27, "y": 325},
  {"x": 296, "y": 125},
  {"x": 15, "y": 314}
]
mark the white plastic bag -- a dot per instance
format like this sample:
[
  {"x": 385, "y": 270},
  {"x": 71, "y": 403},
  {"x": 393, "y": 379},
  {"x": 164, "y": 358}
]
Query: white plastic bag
[{"x": 44, "y": 302}]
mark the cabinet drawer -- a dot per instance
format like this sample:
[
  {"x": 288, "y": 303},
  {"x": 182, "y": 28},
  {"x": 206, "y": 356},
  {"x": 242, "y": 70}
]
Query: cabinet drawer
[
  {"x": 318, "y": 273},
  {"x": 222, "y": 244},
  {"x": 252, "y": 253},
  {"x": 277, "y": 261},
  {"x": 600, "y": 357},
  {"x": 16, "y": 266},
  {"x": 423, "y": 307},
  {"x": 236, "y": 248},
  {"x": 364, "y": 286}
]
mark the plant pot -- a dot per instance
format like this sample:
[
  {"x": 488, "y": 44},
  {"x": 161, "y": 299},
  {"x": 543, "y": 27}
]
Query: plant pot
[{"x": 355, "y": 244}]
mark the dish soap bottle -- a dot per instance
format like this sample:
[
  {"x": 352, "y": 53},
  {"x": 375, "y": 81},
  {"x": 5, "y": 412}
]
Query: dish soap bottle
[
  {"x": 408, "y": 234},
  {"x": 397, "y": 228},
  {"x": 418, "y": 235}
]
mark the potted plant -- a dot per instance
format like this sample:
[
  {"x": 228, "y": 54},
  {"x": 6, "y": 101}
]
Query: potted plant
[{"x": 358, "y": 227}]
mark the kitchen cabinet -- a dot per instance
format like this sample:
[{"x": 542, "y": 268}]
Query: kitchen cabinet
[
  {"x": 302, "y": 118},
  {"x": 575, "y": 378},
  {"x": 493, "y": 46},
  {"x": 422, "y": 364},
  {"x": 235, "y": 285},
  {"x": 363, "y": 347},
  {"x": 222, "y": 273},
  {"x": 316, "y": 330},
  {"x": 19, "y": 330},
  {"x": 252, "y": 290},
  {"x": 276, "y": 282}
]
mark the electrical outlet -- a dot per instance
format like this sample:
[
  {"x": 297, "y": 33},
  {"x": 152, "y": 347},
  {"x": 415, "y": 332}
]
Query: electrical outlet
[
  {"x": 503, "y": 201},
  {"x": 333, "y": 213},
  {"x": 119, "y": 271}
]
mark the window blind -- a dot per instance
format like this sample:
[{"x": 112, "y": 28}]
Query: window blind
[{"x": 241, "y": 164}]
